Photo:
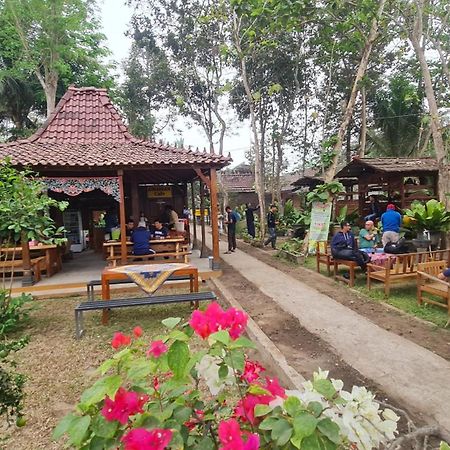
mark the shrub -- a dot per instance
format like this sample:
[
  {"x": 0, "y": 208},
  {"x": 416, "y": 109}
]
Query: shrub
[{"x": 174, "y": 393}]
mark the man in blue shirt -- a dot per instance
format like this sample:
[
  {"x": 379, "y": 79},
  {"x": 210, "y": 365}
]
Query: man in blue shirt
[
  {"x": 141, "y": 240},
  {"x": 391, "y": 221},
  {"x": 343, "y": 246},
  {"x": 159, "y": 231}
]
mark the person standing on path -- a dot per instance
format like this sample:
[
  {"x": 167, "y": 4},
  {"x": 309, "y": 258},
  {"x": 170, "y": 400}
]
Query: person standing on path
[
  {"x": 391, "y": 221},
  {"x": 250, "y": 218},
  {"x": 271, "y": 226},
  {"x": 231, "y": 220}
]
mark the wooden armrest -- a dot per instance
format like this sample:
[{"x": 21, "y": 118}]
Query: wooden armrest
[{"x": 431, "y": 277}]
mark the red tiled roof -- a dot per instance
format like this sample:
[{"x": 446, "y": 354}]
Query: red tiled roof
[
  {"x": 238, "y": 182},
  {"x": 86, "y": 130}
]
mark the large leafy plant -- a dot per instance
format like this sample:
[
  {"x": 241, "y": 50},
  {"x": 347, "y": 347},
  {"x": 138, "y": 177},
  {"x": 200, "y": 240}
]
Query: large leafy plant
[
  {"x": 293, "y": 216},
  {"x": 325, "y": 192},
  {"x": 431, "y": 216},
  {"x": 181, "y": 393}
]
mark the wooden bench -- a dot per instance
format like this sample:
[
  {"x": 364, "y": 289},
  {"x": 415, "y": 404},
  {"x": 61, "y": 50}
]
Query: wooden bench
[
  {"x": 155, "y": 257},
  {"x": 37, "y": 264},
  {"x": 193, "y": 297},
  {"x": 429, "y": 283},
  {"x": 90, "y": 285},
  {"x": 324, "y": 256},
  {"x": 401, "y": 267}
]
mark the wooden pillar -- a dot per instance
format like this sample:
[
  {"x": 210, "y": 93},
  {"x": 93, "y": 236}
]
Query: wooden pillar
[
  {"x": 27, "y": 279},
  {"x": 135, "y": 208},
  {"x": 203, "y": 252},
  {"x": 122, "y": 218},
  {"x": 214, "y": 218},
  {"x": 194, "y": 219}
]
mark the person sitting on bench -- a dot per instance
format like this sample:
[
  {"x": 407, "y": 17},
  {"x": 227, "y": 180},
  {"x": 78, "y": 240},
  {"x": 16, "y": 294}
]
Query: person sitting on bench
[
  {"x": 343, "y": 246},
  {"x": 445, "y": 275},
  {"x": 159, "y": 231},
  {"x": 141, "y": 240}
]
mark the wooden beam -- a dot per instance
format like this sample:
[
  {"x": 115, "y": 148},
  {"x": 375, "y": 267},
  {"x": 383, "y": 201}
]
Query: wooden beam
[
  {"x": 203, "y": 252},
  {"x": 123, "y": 232},
  {"x": 203, "y": 177},
  {"x": 135, "y": 205},
  {"x": 27, "y": 279},
  {"x": 194, "y": 219},
  {"x": 214, "y": 218}
]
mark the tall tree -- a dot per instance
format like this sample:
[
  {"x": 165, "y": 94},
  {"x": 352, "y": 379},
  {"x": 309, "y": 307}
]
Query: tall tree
[{"x": 55, "y": 38}]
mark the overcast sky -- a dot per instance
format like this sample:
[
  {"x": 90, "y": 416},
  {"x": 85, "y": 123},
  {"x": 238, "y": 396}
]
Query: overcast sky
[{"x": 115, "y": 18}]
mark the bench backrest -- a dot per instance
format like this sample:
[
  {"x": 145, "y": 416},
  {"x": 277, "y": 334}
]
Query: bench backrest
[
  {"x": 323, "y": 248},
  {"x": 409, "y": 262},
  {"x": 433, "y": 267}
]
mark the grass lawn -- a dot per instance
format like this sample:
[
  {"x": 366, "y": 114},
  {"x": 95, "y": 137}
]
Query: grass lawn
[
  {"x": 402, "y": 296},
  {"x": 59, "y": 368}
]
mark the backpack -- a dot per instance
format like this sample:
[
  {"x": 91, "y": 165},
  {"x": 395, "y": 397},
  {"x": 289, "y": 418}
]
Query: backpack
[{"x": 237, "y": 216}]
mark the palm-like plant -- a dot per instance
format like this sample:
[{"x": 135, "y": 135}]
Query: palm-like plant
[{"x": 432, "y": 216}]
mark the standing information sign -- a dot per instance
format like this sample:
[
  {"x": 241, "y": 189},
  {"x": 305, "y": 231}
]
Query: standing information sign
[{"x": 320, "y": 224}]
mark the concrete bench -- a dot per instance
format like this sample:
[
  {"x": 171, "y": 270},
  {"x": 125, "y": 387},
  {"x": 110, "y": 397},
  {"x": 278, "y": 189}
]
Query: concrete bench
[{"x": 192, "y": 297}]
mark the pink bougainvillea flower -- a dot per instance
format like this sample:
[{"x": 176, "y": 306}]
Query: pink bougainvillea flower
[
  {"x": 193, "y": 421},
  {"x": 142, "y": 439},
  {"x": 235, "y": 321},
  {"x": 120, "y": 340},
  {"x": 125, "y": 404},
  {"x": 245, "y": 409},
  {"x": 273, "y": 386},
  {"x": 137, "y": 331},
  {"x": 207, "y": 322},
  {"x": 155, "y": 383},
  {"x": 230, "y": 436},
  {"x": 252, "y": 370},
  {"x": 157, "y": 348}
]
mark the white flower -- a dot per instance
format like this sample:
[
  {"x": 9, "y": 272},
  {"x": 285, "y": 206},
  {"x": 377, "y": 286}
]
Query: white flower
[{"x": 208, "y": 369}]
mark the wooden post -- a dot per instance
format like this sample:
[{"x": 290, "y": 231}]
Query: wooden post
[
  {"x": 194, "y": 219},
  {"x": 135, "y": 209},
  {"x": 214, "y": 218},
  {"x": 203, "y": 252},
  {"x": 123, "y": 232},
  {"x": 27, "y": 279}
]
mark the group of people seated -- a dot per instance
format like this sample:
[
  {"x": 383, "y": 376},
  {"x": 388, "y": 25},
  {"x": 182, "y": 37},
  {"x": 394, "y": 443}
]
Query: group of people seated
[
  {"x": 344, "y": 244},
  {"x": 141, "y": 235}
]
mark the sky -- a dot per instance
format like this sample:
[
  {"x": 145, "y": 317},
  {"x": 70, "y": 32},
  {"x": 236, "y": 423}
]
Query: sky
[{"x": 116, "y": 15}]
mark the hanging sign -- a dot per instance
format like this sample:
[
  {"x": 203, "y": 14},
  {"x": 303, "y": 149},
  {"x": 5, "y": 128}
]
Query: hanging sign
[
  {"x": 205, "y": 212},
  {"x": 159, "y": 192},
  {"x": 320, "y": 224}
]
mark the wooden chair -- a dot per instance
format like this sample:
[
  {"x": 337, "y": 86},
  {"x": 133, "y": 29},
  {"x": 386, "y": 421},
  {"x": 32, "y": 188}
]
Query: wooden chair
[
  {"x": 429, "y": 283},
  {"x": 323, "y": 255}
]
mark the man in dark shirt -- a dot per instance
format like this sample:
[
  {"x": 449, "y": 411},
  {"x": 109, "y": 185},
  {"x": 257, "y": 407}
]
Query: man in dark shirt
[
  {"x": 271, "y": 226},
  {"x": 343, "y": 246},
  {"x": 141, "y": 241},
  {"x": 159, "y": 231},
  {"x": 250, "y": 218},
  {"x": 231, "y": 220}
]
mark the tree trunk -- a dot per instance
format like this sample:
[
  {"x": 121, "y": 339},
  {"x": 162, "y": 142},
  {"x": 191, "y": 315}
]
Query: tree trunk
[
  {"x": 363, "y": 134},
  {"x": 348, "y": 146},
  {"x": 49, "y": 83},
  {"x": 259, "y": 174},
  {"x": 415, "y": 37},
  {"x": 331, "y": 171},
  {"x": 278, "y": 167}
]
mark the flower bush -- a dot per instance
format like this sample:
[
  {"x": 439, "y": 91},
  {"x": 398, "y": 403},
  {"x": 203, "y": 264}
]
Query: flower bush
[{"x": 195, "y": 388}]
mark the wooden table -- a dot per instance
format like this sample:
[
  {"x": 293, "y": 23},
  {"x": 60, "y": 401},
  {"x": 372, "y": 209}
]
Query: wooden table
[
  {"x": 52, "y": 253},
  {"x": 159, "y": 245},
  {"x": 110, "y": 274}
]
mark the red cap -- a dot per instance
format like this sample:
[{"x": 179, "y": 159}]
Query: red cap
[{"x": 390, "y": 206}]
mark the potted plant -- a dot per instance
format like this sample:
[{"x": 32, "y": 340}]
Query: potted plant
[
  {"x": 292, "y": 251},
  {"x": 430, "y": 218}
]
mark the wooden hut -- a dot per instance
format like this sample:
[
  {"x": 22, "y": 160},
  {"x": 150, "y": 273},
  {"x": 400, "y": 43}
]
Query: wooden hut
[{"x": 391, "y": 180}]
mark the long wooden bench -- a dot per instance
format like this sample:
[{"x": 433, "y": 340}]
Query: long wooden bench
[
  {"x": 155, "y": 257},
  {"x": 193, "y": 297},
  {"x": 403, "y": 267},
  {"x": 37, "y": 264},
  {"x": 90, "y": 285},
  {"x": 429, "y": 283}
]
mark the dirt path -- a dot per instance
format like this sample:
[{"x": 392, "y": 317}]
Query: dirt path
[{"x": 385, "y": 316}]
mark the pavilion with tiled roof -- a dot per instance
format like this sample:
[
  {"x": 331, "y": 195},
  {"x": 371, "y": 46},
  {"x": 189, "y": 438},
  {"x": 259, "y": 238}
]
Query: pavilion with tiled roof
[{"x": 84, "y": 145}]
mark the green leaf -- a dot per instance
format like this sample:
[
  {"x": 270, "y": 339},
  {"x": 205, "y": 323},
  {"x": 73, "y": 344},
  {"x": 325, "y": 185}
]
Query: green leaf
[
  {"x": 105, "y": 386},
  {"x": 178, "y": 335},
  {"x": 223, "y": 371},
  {"x": 235, "y": 359},
  {"x": 328, "y": 428},
  {"x": 140, "y": 369},
  {"x": 106, "y": 366},
  {"x": 219, "y": 336},
  {"x": 103, "y": 428},
  {"x": 178, "y": 358},
  {"x": 316, "y": 408},
  {"x": 444, "y": 446},
  {"x": 281, "y": 432},
  {"x": 304, "y": 425},
  {"x": 268, "y": 423},
  {"x": 325, "y": 387},
  {"x": 262, "y": 410},
  {"x": 255, "y": 389},
  {"x": 182, "y": 414},
  {"x": 311, "y": 443},
  {"x": 77, "y": 429},
  {"x": 63, "y": 426},
  {"x": 292, "y": 405},
  {"x": 171, "y": 322},
  {"x": 242, "y": 342}
]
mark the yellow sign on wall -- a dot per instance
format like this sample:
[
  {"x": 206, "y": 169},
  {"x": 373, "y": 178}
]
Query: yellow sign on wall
[
  {"x": 159, "y": 192},
  {"x": 205, "y": 212}
]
